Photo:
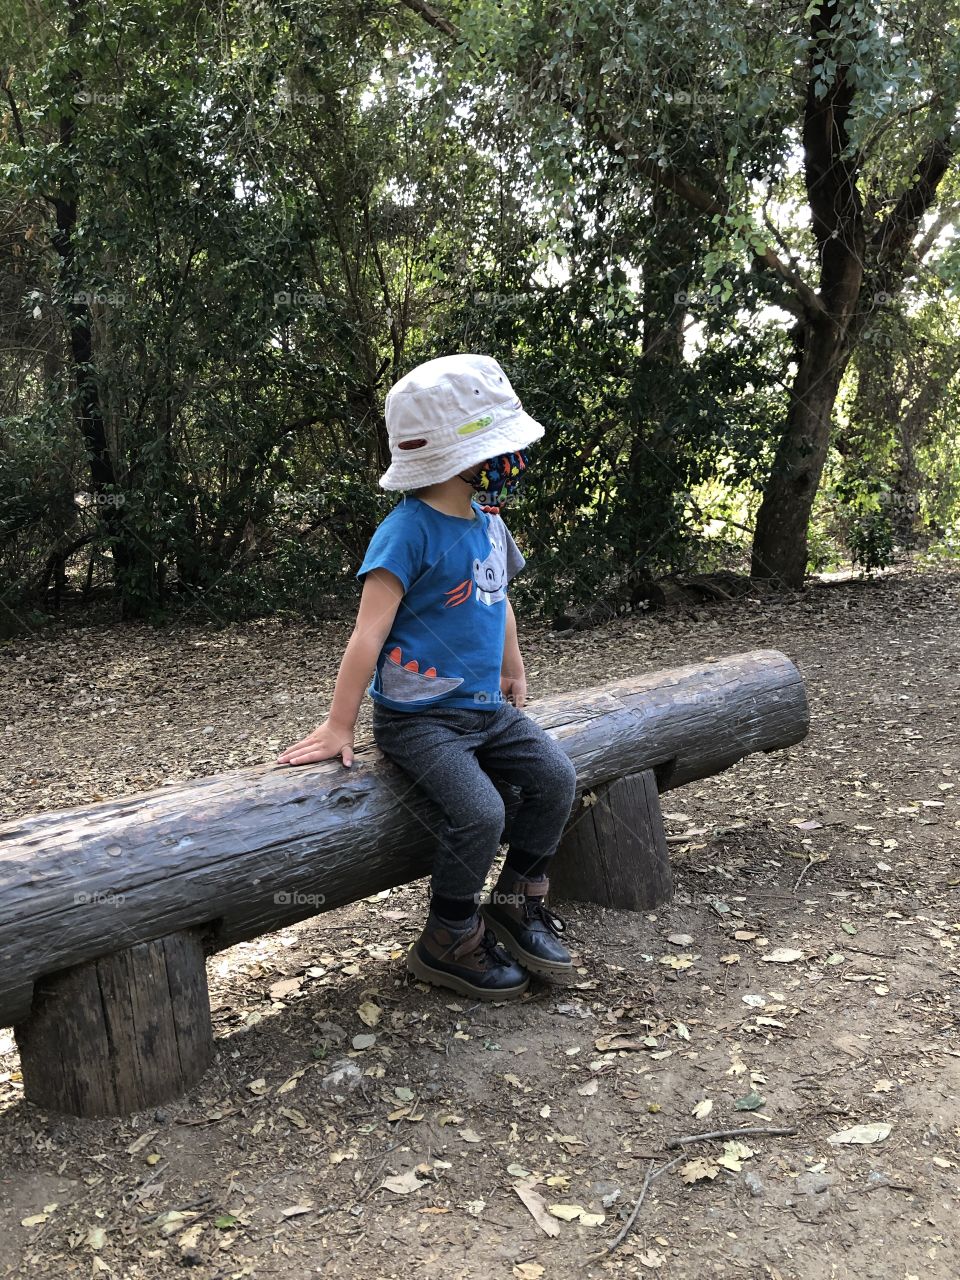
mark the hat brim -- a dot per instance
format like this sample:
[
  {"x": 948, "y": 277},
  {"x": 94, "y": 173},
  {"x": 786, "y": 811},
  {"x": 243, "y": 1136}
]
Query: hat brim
[{"x": 513, "y": 434}]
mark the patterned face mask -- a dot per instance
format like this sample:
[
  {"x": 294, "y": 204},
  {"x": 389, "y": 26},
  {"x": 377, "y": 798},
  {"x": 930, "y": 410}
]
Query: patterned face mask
[{"x": 497, "y": 479}]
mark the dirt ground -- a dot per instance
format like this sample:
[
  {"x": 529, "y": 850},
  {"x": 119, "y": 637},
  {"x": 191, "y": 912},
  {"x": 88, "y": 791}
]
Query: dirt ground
[{"x": 803, "y": 977}]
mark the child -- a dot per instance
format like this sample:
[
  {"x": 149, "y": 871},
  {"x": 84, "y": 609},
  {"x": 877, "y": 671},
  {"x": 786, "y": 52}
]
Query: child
[{"x": 437, "y": 629}]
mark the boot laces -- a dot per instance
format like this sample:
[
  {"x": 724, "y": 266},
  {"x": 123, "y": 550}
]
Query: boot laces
[
  {"x": 537, "y": 909},
  {"x": 490, "y": 950}
]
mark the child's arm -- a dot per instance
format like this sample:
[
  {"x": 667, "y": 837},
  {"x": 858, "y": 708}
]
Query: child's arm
[
  {"x": 381, "y": 596},
  {"x": 513, "y": 680}
]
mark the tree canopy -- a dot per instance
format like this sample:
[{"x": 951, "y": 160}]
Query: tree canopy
[{"x": 714, "y": 247}]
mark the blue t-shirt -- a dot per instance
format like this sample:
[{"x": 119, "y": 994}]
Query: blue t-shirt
[{"x": 445, "y": 647}]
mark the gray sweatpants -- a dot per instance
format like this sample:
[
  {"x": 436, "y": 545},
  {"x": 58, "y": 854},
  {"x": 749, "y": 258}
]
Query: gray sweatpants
[{"x": 454, "y": 754}]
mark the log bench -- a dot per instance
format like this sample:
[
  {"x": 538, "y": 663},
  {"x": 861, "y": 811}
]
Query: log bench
[{"x": 108, "y": 911}]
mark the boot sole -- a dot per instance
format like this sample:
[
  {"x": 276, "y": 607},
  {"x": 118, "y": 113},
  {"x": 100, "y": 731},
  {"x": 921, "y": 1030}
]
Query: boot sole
[
  {"x": 440, "y": 978},
  {"x": 546, "y": 968}
]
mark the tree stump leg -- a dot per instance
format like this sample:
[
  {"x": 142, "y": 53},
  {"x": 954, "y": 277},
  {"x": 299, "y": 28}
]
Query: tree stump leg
[
  {"x": 614, "y": 850},
  {"x": 119, "y": 1034}
]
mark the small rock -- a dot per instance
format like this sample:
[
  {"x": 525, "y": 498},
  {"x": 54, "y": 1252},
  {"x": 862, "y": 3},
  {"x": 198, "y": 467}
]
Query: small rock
[{"x": 753, "y": 1183}]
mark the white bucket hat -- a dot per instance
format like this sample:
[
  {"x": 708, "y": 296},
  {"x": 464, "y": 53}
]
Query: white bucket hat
[{"x": 447, "y": 415}]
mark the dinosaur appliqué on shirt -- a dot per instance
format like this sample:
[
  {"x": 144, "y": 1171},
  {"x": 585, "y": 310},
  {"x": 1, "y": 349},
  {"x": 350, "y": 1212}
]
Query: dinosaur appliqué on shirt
[{"x": 489, "y": 576}]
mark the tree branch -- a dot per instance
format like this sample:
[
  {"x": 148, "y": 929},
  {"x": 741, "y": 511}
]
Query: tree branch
[{"x": 895, "y": 233}]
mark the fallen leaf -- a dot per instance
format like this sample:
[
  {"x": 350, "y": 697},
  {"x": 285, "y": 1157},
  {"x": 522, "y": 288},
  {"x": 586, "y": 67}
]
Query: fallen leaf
[
  {"x": 651, "y": 1258},
  {"x": 364, "y": 1041},
  {"x": 589, "y": 1089},
  {"x": 468, "y": 1135},
  {"x": 695, "y": 1170},
  {"x": 292, "y": 1082},
  {"x": 677, "y": 962},
  {"x": 295, "y": 1117},
  {"x": 782, "y": 955},
  {"x": 285, "y": 987},
  {"x": 369, "y": 1013},
  {"x": 97, "y": 1238},
  {"x": 749, "y": 1102},
  {"x": 401, "y": 1184},
  {"x": 734, "y": 1154},
  {"x": 703, "y": 1108},
  {"x": 296, "y": 1210},
  {"x": 566, "y": 1212},
  {"x": 139, "y": 1143},
  {"x": 860, "y": 1135},
  {"x": 607, "y": 1044},
  {"x": 191, "y": 1237},
  {"x": 528, "y": 1271},
  {"x": 680, "y": 939},
  {"x": 537, "y": 1208}
]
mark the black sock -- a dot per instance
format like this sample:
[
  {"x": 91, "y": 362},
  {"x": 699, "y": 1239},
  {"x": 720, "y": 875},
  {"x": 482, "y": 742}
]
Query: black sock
[
  {"x": 453, "y": 909},
  {"x": 527, "y": 865}
]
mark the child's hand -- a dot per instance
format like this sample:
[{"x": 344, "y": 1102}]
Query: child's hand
[
  {"x": 514, "y": 689},
  {"x": 328, "y": 739}
]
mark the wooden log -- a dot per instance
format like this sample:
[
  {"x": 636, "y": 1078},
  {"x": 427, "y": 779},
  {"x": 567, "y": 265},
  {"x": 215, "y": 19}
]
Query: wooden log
[
  {"x": 121, "y": 1033},
  {"x": 614, "y": 850},
  {"x": 248, "y": 851}
]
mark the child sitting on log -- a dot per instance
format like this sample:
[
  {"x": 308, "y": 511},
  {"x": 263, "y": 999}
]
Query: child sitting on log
[{"x": 436, "y": 628}]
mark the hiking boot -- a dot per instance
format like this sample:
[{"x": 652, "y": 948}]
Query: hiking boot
[
  {"x": 525, "y": 925},
  {"x": 466, "y": 960}
]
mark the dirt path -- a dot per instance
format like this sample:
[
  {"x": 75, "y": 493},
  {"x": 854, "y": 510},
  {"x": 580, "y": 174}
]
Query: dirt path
[{"x": 276, "y": 1177}]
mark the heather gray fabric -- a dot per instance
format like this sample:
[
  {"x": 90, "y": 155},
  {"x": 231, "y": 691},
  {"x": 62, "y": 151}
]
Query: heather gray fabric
[{"x": 453, "y": 754}]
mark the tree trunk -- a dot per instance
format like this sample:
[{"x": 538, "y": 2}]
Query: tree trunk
[
  {"x": 780, "y": 534},
  {"x": 128, "y": 556}
]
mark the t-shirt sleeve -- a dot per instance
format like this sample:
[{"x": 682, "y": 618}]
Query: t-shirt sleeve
[
  {"x": 515, "y": 559},
  {"x": 398, "y": 545}
]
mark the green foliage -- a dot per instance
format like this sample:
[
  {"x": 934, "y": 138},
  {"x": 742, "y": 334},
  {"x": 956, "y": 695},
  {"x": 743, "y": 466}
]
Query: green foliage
[{"x": 278, "y": 209}]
